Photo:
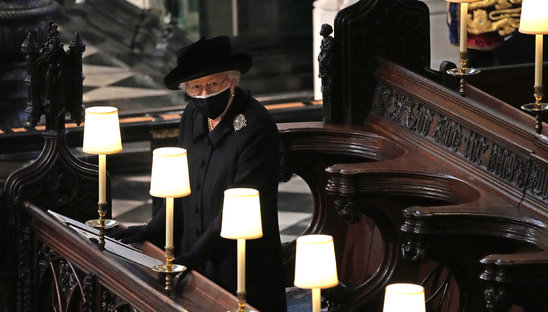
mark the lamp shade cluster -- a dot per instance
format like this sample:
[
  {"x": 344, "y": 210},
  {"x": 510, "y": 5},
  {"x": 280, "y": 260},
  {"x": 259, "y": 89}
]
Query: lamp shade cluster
[
  {"x": 102, "y": 130},
  {"x": 241, "y": 214},
  {"x": 169, "y": 176}
]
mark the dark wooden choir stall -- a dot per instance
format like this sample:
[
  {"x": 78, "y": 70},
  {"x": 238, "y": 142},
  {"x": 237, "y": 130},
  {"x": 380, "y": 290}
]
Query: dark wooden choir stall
[{"x": 421, "y": 184}]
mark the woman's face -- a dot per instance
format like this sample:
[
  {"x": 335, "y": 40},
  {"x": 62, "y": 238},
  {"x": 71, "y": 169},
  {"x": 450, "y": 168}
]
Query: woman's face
[{"x": 208, "y": 84}]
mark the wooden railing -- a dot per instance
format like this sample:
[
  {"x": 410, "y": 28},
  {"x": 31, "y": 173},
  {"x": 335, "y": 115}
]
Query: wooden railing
[{"x": 70, "y": 273}]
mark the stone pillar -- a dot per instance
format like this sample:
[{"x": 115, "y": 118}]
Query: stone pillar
[
  {"x": 324, "y": 12},
  {"x": 17, "y": 19}
]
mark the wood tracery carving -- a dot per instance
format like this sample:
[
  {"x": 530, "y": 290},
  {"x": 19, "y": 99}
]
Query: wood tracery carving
[
  {"x": 521, "y": 171},
  {"x": 476, "y": 145},
  {"x": 56, "y": 180},
  {"x": 64, "y": 287}
]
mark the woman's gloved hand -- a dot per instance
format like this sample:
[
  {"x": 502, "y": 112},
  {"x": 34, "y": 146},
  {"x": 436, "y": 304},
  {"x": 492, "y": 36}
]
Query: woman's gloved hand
[{"x": 132, "y": 234}]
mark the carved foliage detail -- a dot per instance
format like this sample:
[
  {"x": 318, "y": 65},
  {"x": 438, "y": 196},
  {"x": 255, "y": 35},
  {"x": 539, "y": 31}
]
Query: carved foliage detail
[
  {"x": 522, "y": 172},
  {"x": 24, "y": 277},
  {"x": 54, "y": 80},
  {"x": 448, "y": 133},
  {"x": 508, "y": 165},
  {"x": 495, "y": 300},
  {"x": 420, "y": 119},
  {"x": 107, "y": 301},
  {"x": 65, "y": 280},
  {"x": 89, "y": 293},
  {"x": 476, "y": 145},
  {"x": 66, "y": 190},
  {"x": 413, "y": 250},
  {"x": 404, "y": 110},
  {"x": 538, "y": 181},
  {"x": 347, "y": 211},
  {"x": 67, "y": 277}
]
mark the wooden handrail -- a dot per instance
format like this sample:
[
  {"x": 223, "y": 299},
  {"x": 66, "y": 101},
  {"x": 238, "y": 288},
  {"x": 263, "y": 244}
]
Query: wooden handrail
[{"x": 135, "y": 284}]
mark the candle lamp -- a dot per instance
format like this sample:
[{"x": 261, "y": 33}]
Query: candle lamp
[
  {"x": 534, "y": 21},
  {"x": 404, "y": 297},
  {"x": 463, "y": 70},
  {"x": 241, "y": 220},
  {"x": 315, "y": 265},
  {"x": 169, "y": 179},
  {"x": 102, "y": 137}
]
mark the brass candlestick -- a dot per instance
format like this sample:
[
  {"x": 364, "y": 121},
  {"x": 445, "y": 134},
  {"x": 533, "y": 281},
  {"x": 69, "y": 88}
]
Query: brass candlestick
[
  {"x": 537, "y": 108},
  {"x": 169, "y": 269},
  {"x": 241, "y": 302},
  {"x": 102, "y": 223},
  {"x": 462, "y": 71},
  {"x": 102, "y": 211}
]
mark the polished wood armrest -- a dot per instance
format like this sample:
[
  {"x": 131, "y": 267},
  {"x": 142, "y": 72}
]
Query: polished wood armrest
[
  {"x": 195, "y": 284},
  {"x": 152, "y": 250},
  {"x": 479, "y": 218},
  {"x": 524, "y": 258},
  {"x": 135, "y": 284}
]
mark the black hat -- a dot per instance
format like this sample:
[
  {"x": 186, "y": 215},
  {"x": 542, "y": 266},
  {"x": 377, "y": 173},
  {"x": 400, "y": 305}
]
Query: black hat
[{"x": 205, "y": 57}]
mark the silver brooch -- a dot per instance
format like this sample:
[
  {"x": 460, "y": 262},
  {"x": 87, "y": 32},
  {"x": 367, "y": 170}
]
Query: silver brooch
[{"x": 239, "y": 122}]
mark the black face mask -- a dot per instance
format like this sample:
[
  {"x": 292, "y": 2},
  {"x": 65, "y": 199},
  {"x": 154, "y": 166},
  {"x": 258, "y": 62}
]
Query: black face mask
[{"x": 213, "y": 105}]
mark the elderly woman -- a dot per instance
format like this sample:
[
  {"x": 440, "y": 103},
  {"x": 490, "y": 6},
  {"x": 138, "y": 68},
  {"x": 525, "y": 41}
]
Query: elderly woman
[{"x": 232, "y": 141}]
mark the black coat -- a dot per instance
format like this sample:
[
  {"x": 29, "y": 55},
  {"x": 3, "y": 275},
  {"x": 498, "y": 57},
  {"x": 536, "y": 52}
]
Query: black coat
[{"x": 225, "y": 158}]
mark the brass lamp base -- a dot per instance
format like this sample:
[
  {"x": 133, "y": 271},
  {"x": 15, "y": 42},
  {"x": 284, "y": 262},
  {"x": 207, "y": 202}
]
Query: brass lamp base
[
  {"x": 240, "y": 310},
  {"x": 461, "y": 73},
  {"x": 96, "y": 223},
  {"x": 537, "y": 109},
  {"x": 163, "y": 268},
  {"x": 241, "y": 303},
  {"x": 169, "y": 269},
  {"x": 101, "y": 223}
]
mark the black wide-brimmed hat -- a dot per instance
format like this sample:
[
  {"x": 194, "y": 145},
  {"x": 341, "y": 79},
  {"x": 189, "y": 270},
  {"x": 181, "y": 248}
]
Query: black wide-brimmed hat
[{"x": 205, "y": 57}]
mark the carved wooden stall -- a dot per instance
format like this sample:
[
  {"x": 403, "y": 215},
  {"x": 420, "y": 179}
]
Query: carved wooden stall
[
  {"x": 56, "y": 179},
  {"x": 456, "y": 198},
  {"x": 73, "y": 274}
]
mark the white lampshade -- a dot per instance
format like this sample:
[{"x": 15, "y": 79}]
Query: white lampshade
[
  {"x": 404, "y": 297},
  {"x": 462, "y": 1},
  {"x": 169, "y": 177},
  {"x": 102, "y": 130},
  {"x": 241, "y": 214},
  {"x": 534, "y": 17},
  {"x": 315, "y": 265}
]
